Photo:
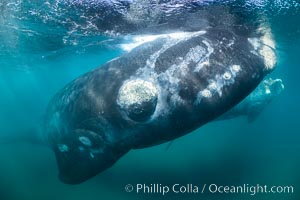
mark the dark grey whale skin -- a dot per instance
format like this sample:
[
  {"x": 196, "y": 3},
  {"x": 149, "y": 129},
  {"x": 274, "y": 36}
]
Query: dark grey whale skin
[
  {"x": 148, "y": 16},
  {"x": 87, "y": 108}
]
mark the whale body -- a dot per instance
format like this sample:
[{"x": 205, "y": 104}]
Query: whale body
[
  {"x": 256, "y": 101},
  {"x": 124, "y": 16},
  {"x": 157, "y": 92},
  {"x": 203, "y": 61}
]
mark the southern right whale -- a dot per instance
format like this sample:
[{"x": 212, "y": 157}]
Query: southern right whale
[
  {"x": 157, "y": 92},
  {"x": 256, "y": 101},
  {"x": 161, "y": 90}
]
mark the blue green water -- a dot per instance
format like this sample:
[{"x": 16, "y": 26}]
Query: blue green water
[{"x": 39, "y": 55}]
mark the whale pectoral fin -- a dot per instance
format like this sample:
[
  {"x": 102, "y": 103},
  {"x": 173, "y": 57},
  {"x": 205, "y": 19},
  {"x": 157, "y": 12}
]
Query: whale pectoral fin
[{"x": 83, "y": 154}]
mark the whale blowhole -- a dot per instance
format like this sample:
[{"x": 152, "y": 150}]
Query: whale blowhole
[{"x": 138, "y": 99}]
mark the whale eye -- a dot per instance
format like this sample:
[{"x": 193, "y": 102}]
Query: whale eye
[{"x": 138, "y": 99}]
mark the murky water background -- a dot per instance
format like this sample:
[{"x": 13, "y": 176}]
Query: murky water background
[{"x": 46, "y": 44}]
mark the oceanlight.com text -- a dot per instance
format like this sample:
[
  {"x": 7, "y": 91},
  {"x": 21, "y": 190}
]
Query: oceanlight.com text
[{"x": 247, "y": 189}]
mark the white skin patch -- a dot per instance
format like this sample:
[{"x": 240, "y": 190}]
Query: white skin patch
[
  {"x": 63, "y": 148},
  {"x": 213, "y": 86},
  {"x": 84, "y": 140},
  {"x": 269, "y": 57},
  {"x": 195, "y": 54},
  {"x": 218, "y": 83},
  {"x": 265, "y": 47},
  {"x": 236, "y": 68},
  {"x": 141, "y": 39},
  {"x": 203, "y": 94},
  {"x": 204, "y": 61},
  {"x": 136, "y": 92},
  {"x": 206, "y": 93},
  {"x": 227, "y": 76}
]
